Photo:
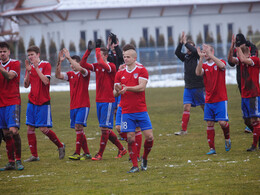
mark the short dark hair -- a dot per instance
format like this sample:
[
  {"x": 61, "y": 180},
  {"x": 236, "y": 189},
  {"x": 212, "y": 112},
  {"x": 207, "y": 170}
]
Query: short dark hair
[
  {"x": 75, "y": 57},
  {"x": 128, "y": 47},
  {"x": 104, "y": 50},
  {"x": 4, "y": 45},
  {"x": 33, "y": 48},
  {"x": 191, "y": 42},
  {"x": 240, "y": 39}
]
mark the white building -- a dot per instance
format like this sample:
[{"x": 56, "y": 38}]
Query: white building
[{"x": 71, "y": 20}]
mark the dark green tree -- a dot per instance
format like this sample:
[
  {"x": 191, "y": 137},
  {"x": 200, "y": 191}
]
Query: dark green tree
[
  {"x": 199, "y": 40},
  {"x": 161, "y": 41},
  {"x": 72, "y": 47},
  {"x": 31, "y": 42},
  {"x": 43, "y": 49},
  {"x": 52, "y": 53},
  {"x": 151, "y": 42},
  {"x": 132, "y": 42},
  {"x": 142, "y": 43},
  {"x": 122, "y": 44},
  {"x": 62, "y": 45},
  {"x": 82, "y": 45},
  {"x": 170, "y": 42}
]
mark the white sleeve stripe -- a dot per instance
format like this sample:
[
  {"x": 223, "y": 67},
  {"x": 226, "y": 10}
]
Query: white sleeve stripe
[
  {"x": 143, "y": 78},
  {"x": 93, "y": 67},
  {"x": 252, "y": 62},
  {"x": 237, "y": 61},
  {"x": 116, "y": 84},
  {"x": 110, "y": 69},
  {"x": 14, "y": 72},
  {"x": 48, "y": 76},
  {"x": 86, "y": 73},
  {"x": 66, "y": 78}
]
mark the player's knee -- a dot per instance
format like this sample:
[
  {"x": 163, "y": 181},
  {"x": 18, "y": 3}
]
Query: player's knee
[
  {"x": 78, "y": 127},
  {"x": 44, "y": 129},
  {"x": 14, "y": 130},
  {"x": 118, "y": 128},
  {"x": 30, "y": 128},
  {"x": 186, "y": 107},
  {"x": 222, "y": 123},
  {"x": 149, "y": 137}
]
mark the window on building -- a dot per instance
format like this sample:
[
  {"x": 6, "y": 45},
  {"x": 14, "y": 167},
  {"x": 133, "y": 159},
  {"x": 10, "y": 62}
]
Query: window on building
[
  {"x": 83, "y": 35},
  {"x": 107, "y": 33},
  {"x": 95, "y": 35},
  {"x": 145, "y": 34},
  {"x": 157, "y": 34},
  {"x": 169, "y": 32},
  {"x": 205, "y": 31}
]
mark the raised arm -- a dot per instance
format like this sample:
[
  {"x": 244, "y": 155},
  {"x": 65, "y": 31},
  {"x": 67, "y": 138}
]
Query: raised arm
[
  {"x": 178, "y": 52},
  {"x": 243, "y": 58},
  {"x": 199, "y": 71},
  {"x": 83, "y": 61},
  {"x": 217, "y": 61},
  {"x": 58, "y": 73},
  {"x": 101, "y": 62},
  {"x": 232, "y": 60}
]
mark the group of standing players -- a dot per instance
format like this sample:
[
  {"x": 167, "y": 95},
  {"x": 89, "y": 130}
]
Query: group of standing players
[{"x": 120, "y": 86}]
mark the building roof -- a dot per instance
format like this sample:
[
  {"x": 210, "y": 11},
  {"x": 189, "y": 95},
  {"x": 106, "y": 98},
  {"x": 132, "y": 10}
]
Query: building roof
[{"x": 32, "y": 6}]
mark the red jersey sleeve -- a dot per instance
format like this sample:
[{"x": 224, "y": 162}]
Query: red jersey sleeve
[
  {"x": 47, "y": 70},
  {"x": 144, "y": 74},
  {"x": 255, "y": 60},
  {"x": 109, "y": 67},
  {"x": 16, "y": 68},
  {"x": 118, "y": 77}
]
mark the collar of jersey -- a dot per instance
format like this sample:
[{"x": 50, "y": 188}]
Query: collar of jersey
[
  {"x": 39, "y": 63},
  {"x": 6, "y": 63},
  {"x": 131, "y": 70},
  {"x": 210, "y": 64}
]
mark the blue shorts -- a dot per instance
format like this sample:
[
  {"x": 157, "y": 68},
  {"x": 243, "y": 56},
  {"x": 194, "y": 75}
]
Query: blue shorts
[
  {"x": 216, "y": 111},
  {"x": 117, "y": 101},
  {"x": 79, "y": 116},
  {"x": 250, "y": 107},
  {"x": 38, "y": 116},
  {"x": 10, "y": 116},
  {"x": 195, "y": 97},
  {"x": 132, "y": 120},
  {"x": 105, "y": 114},
  {"x": 118, "y": 115}
]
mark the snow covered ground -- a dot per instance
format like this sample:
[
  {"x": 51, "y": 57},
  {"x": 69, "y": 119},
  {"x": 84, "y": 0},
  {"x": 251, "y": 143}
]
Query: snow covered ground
[{"x": 164, "y": 80}]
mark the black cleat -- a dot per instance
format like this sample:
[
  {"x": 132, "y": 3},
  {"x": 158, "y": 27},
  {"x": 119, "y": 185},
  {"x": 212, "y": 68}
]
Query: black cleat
[
  {"x": 253, "y": 148},
  {"x": 133, "y": 170},
  {"x": 8, "y": 166},
  {"x": 144, "y": 165}
]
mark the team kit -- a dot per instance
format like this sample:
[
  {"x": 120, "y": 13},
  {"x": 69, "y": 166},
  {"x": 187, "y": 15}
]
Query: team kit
[{"x": 120, "y": 91}]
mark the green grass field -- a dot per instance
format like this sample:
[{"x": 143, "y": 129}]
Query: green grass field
[{"x": 176, "y": 165}]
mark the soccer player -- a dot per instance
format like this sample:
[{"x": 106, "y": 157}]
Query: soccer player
[
  {"x": 194, "y": 88},
  {"x": 38, "y": 114},
  {"x": 131, "y": 83},
  {"x": 241, "y": 41},
  {"x": 10, "y": 107},
  {"x": 250, "y": 91},
  {"x": 105, "y": 75},
  {"x": 213, "y": 71},
  {"x": 79, "y": 101}
]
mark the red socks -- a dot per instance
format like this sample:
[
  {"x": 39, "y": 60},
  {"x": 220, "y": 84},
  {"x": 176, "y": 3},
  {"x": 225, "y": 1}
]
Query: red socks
[
  {"x": 185, "y": 120},
  {"x": 53, "y": 137},
  {"x": 211, "y": 136},
  {"x": 32, "y": 142},
  {"x": 103, "y": 141},
  {"x": 113, "y": 138},
  {"x": 78, "y": 141},
  {"x": 256, "y": 133},
  {"x": 10, "y": 148},
  {"x": 138, "y": 142},
  {"x": 226, "y": 131},
  {"x": 133, "y": 153},
  {"x": 147, "y": 148},
  {"x": 84, "y": 143},
  {"x": 17, "y": 144}
]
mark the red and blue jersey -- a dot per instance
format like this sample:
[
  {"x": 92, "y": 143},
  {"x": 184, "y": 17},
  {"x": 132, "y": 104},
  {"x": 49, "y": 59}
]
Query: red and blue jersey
[
  {"x": 40, "y": 93},
  {"x": 215, "y": 83},
  {"x": 132, "y": 102},
  {"x": 105, "y": 76},
  {"x": 79, "y": 96},
  {"x": 9, "y": 90},
  {"x": 250, "y": 78}
]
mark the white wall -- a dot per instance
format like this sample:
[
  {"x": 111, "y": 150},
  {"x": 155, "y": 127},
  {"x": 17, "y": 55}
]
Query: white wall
[{"x": 126, "y": 28}]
